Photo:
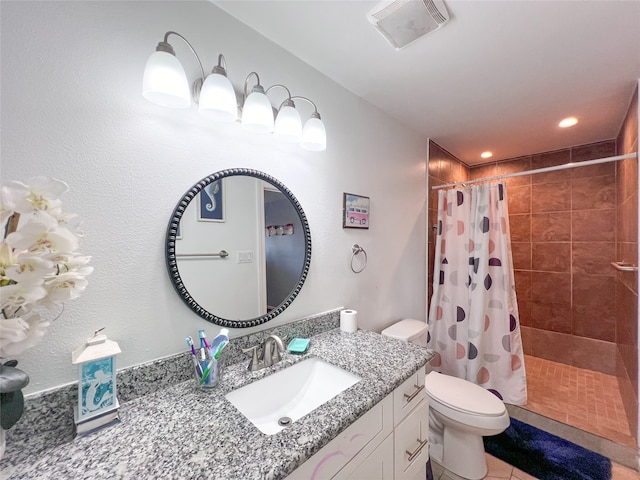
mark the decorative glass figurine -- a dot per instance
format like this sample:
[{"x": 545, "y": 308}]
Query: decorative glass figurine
[{"x": 97, "y": 392}]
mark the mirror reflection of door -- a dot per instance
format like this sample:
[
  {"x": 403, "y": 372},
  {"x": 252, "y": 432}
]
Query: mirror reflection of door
[{"x": 284, "y": 247}]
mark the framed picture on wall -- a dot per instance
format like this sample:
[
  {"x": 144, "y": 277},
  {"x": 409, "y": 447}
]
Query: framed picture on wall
[
  {"x": 355, "y": 211},
  {"x": 212, "y": 203}
]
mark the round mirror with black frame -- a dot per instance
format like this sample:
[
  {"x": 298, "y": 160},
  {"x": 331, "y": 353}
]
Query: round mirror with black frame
[{"x": 238, "y": 248}]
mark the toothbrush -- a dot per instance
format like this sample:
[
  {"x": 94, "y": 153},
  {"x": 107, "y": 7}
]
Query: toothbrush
[
  {"x": 205, "y": 374},
  {"x": 195, "y": 356},
  {"x": 203, "y": 340},
  {"x": 190, "y": 343},
  {"x": 223, "y": 343},
  {"x": 219, "y": 349},
  {"x": 203, "y": 359}
]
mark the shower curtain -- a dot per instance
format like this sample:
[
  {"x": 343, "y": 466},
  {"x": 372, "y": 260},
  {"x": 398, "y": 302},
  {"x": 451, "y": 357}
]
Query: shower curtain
[{"x": 473, "y": 317}]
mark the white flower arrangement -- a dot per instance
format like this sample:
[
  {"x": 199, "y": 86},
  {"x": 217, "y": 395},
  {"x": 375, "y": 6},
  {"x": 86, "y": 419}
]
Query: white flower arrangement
[{"x": 40, "y": 267}]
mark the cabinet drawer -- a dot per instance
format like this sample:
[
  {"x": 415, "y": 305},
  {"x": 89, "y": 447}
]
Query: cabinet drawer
[
  {"x": 410, "y": 444},
  {"x": 408, "y": 395},
  {"x": 356, "y": 442}
]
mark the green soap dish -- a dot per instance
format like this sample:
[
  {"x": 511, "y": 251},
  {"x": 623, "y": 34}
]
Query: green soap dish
[{"x": 299, "y": 345}]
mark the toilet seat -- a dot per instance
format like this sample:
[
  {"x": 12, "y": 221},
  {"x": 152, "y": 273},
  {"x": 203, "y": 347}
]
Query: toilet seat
[{"x": 463, "y": 396}]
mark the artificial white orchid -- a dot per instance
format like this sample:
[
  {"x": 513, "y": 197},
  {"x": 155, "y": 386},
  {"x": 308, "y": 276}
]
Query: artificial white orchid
[
  {"x": 39, "y": 262},
  {"x": 41, "y": 194},
  {"x": 18, "y": 334}
]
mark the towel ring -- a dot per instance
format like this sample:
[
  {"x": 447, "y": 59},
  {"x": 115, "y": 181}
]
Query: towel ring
[{"x": 356, "y": 249}]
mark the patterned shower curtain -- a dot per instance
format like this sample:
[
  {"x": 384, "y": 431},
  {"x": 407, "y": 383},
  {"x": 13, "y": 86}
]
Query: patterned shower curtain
[{"x": 473, "y": 317}]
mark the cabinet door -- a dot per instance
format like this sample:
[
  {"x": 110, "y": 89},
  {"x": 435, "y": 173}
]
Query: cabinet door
[
  {"x": 411, "y": 444},
  {"x": 377, "y": 466},
  {"x": 354, "y": 443},
  {"x": 408, "y": 395}
]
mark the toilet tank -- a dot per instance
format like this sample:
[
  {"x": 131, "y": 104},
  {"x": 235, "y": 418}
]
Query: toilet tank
[{"x": 409, "y": 330}]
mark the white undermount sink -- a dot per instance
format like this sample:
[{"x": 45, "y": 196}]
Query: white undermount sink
[{"x": 290, "y": 393}]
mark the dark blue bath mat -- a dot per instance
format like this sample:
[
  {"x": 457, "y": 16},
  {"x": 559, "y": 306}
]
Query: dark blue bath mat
[{"x": 546, "y": 456}]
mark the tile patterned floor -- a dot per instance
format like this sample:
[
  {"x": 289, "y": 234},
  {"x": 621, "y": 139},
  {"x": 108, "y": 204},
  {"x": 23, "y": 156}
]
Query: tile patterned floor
[
  {"x": 582, "y": 398},
  {"x": 497, "y": 469}
]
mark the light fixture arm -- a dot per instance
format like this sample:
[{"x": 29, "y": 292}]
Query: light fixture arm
[
  {"x": 165, "y": 46},
  {"x": 220, "y": 68},
  {"x": 315, "y": 113},
  {"x": 256, "y": 88},
  {"x": 287, "y": 102}
]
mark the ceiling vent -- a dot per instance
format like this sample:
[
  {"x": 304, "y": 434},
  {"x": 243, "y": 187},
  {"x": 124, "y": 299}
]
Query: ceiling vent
[{"x": 402, "y": 22}]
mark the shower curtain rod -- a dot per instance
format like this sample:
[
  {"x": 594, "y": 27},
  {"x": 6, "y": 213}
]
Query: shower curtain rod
[{"x": 540, "y": 170}]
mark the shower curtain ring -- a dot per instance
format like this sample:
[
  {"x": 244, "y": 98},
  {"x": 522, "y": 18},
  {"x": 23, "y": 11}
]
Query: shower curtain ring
[{"x": 356, "y": 249}]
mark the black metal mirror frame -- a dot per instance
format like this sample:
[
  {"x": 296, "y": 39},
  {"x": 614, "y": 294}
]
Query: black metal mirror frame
[{"x": 170, "y": 251}]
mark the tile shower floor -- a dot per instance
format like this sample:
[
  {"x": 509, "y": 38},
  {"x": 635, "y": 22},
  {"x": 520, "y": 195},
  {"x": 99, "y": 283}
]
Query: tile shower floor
[{"x": 581, "y": 398}]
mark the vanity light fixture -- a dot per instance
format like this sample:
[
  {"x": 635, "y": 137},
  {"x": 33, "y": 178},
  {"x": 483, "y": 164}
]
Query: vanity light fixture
[
  {"x": 314, "y": 135},
  {"x": 257, "y": 112},
  {"x": 288, "y": 125},
  {"x": 165, "y": 83},
  {"x": 217, "y": 96}
]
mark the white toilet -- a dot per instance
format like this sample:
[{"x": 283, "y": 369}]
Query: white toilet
[{"x": 460, "y": 413}]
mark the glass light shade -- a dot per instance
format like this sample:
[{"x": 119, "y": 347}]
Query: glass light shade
[
  {"x": 257, "y": 113},
  {"x": 288, "y": 126},
  {"x": 218, "y": 99},
  {"x": 314, "y": 135},
  {"x": 164, "y": 82}
]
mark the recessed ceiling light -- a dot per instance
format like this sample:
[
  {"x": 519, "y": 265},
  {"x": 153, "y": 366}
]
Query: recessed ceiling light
[
  {"x": 568, "y": 122},
  {"x": 486, "y": 154}
]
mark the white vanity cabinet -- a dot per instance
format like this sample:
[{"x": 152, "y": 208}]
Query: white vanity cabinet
[
  {"x": 388, "y": 442},
  {"x": 411, "y": 429}
]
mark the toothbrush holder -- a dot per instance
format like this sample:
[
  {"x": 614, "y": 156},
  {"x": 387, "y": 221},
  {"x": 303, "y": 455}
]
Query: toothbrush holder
[{"x": 206, "y": 370}]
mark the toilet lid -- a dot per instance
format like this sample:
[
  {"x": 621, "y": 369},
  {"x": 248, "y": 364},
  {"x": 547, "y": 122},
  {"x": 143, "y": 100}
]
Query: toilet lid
[{"x": 462, "y": 395}]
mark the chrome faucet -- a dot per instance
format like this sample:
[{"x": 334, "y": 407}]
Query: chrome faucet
[
  {"x": 272, "y": 348},
  {"x": 265, "y": 354}
]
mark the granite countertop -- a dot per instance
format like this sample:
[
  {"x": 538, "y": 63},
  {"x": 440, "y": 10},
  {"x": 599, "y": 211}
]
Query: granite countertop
[{"x": 185, "y": 432}]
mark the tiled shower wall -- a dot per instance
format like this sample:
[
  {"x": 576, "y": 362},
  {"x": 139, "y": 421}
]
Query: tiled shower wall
[
  {"x": 563, "y": 239},
  {"x": 627, "y": 251}
]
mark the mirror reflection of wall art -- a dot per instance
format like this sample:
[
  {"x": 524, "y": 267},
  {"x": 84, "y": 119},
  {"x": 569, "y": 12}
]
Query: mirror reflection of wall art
[
  {"x": 212, "y": 203},
  {"x": 355, "y": 210}
]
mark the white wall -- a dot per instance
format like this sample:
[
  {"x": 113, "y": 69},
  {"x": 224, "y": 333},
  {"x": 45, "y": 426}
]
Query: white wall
[{"x": 72, "y": 108}]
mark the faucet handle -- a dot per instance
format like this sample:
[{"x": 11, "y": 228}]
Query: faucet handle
[{"x": 254, "y": 364}]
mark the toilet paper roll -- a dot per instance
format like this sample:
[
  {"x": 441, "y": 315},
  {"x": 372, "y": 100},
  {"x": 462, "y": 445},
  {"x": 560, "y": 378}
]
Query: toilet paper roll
[{"x": 348, "y": 320}]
